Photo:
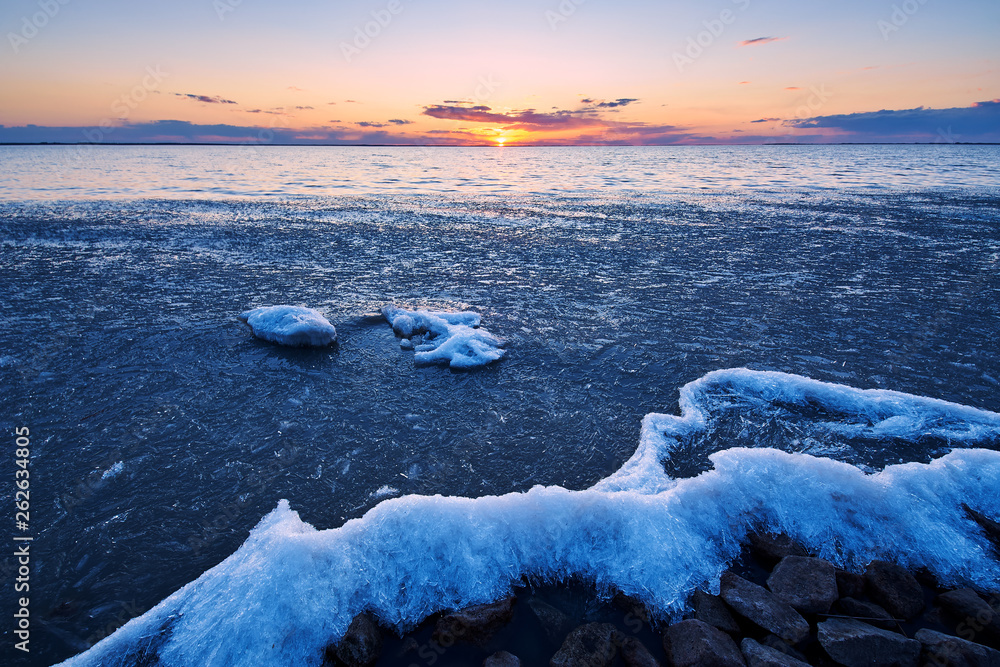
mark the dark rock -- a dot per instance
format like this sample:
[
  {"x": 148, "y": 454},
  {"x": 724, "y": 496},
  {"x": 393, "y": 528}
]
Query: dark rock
[
  {"x": 770, "y": 548},
  {"x": 989, "y": 526},
  {"x": 869, "y": 612},
  {"x": 630, "y": 605},
  {"x": 809, "y": 585},
  {"x": 857, "y": 644},
  {"x": 779, "y": 644},
  {"x": 942, "y": 649},
  {"x": 975, "y": 619},
  {"x": 712, "y": 610},
  {"x": 360, "y": 646},
  {"x": 502, "y": 659},
  {"x": 762, "y": 607},
  {"x": 694, "y": 643},
  {"x": 850, "y": 585},
  {"x": 592, "y": 644},
  {"x": 475, "y": 625},
  {"x": 634, "y": 654},
  {"x": 758, "y": 655},
  {"x": 554, "y": 622},
  {"x": 895, "y": 589}
]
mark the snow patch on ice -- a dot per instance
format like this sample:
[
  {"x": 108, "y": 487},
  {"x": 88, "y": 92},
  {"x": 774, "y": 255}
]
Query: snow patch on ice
[
  {"x": 290, "y": 589},
  {"x": 384, "y": 491},
  {"x": 290, "y": 325},
  {"x": 113, "y": 471},
  {"x": 452, "y": 338},
  {"x": 850, "y": 413}
]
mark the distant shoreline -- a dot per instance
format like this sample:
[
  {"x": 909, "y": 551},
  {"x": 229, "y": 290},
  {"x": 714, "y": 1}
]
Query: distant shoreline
[{"x": 197, "y": 143}]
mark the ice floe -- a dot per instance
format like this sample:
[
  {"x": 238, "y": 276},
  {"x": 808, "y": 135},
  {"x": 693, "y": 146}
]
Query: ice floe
[{"x": 290, "y": 325}]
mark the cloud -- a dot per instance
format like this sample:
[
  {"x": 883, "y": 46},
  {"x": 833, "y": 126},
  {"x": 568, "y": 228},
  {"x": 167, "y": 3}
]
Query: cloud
[
  {"x": 206, "y": 98},
  {"x": 370, "y": 123},
  {"x": 765, "y": 120},
  {"x": 977, "y": 123},
  {"x": 400, "y": 121},
  {"x": 756, "y": 41},
  {"x": 620, "y": 102},
  {"x": 792, "y": 88},
  {"x": 590, "y": 127},
  {"x": 270, "y": 111},
  {"x": 303, "y": 108}
]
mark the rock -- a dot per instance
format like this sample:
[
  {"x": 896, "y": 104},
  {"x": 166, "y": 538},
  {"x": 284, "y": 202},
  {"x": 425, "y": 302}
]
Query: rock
[
  {"x": 972, "y": 615},
  {"x": 758, "y": 655},
  {"x": 360, "y": 646},
  {"x": 592, "y": 644},
  {"x": 942, "y": 649},
  {"x": 770, "y": 548},
  {"x": 780, "y": 645},
  {"x": 694, "y": 643},
  {"x": 850, "y": 585},
  {"x": 502, "y": 659},
  {"x": 858, "y": 644},
  {"x": 762, "y": 607},
  {"x": 555, "y": 623},
  {"x": 634, "y": 654},
  {"x": 895, "y": 589},
  {"x": 630, "y": 605},
  {"x": 475, "y": 625},
  {"x": 712, "y": 610},
  {"x": 809, "y": 585},
  {"x": 869, "y": 612}
]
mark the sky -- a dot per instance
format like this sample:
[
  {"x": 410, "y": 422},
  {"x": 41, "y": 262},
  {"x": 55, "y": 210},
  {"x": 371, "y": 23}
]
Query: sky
[{"x": 514, "y": 72}]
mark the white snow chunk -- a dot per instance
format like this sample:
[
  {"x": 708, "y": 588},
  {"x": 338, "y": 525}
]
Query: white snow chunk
[
  {"x": 290, "y": 325},
  {"x": 452, "y": 338}
]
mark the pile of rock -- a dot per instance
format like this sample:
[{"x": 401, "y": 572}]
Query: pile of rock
[{"x": 782, "y": 607}]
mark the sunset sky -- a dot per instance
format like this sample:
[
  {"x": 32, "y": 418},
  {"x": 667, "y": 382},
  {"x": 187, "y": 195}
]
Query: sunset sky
[{"x": 511, "y": 72}]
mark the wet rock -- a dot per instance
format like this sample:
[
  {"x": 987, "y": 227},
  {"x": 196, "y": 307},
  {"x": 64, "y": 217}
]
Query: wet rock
[
  {"x": 630, "y": 605},
  {"x": 360, "y": 646},
  {"x": 634, "y": 654},
  {"x": 850, "y": 585},
  {"x": 869, "y": 612},
  {"x": 771, "y": 548},
  {"x": 694, "y": 643},
  {"x": 762, "y": 607},
  {"x": 475, "y": 625},
  {"x": 858, "y": 644},
  {"x": 894, "y": 588},
  {"x": 554, "y": 622},
  {"x": 758, "y": 655},
  {"x": 809, "y": 585},
  {"x": 779, "y": 644},
  {"x": 502, "y": 659},
  {"x": 712, "y": 610},
  {"x": 942, "y": 649},
  {"x": 974, "y": 618},
  {"x": 592, "y": 644}
]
